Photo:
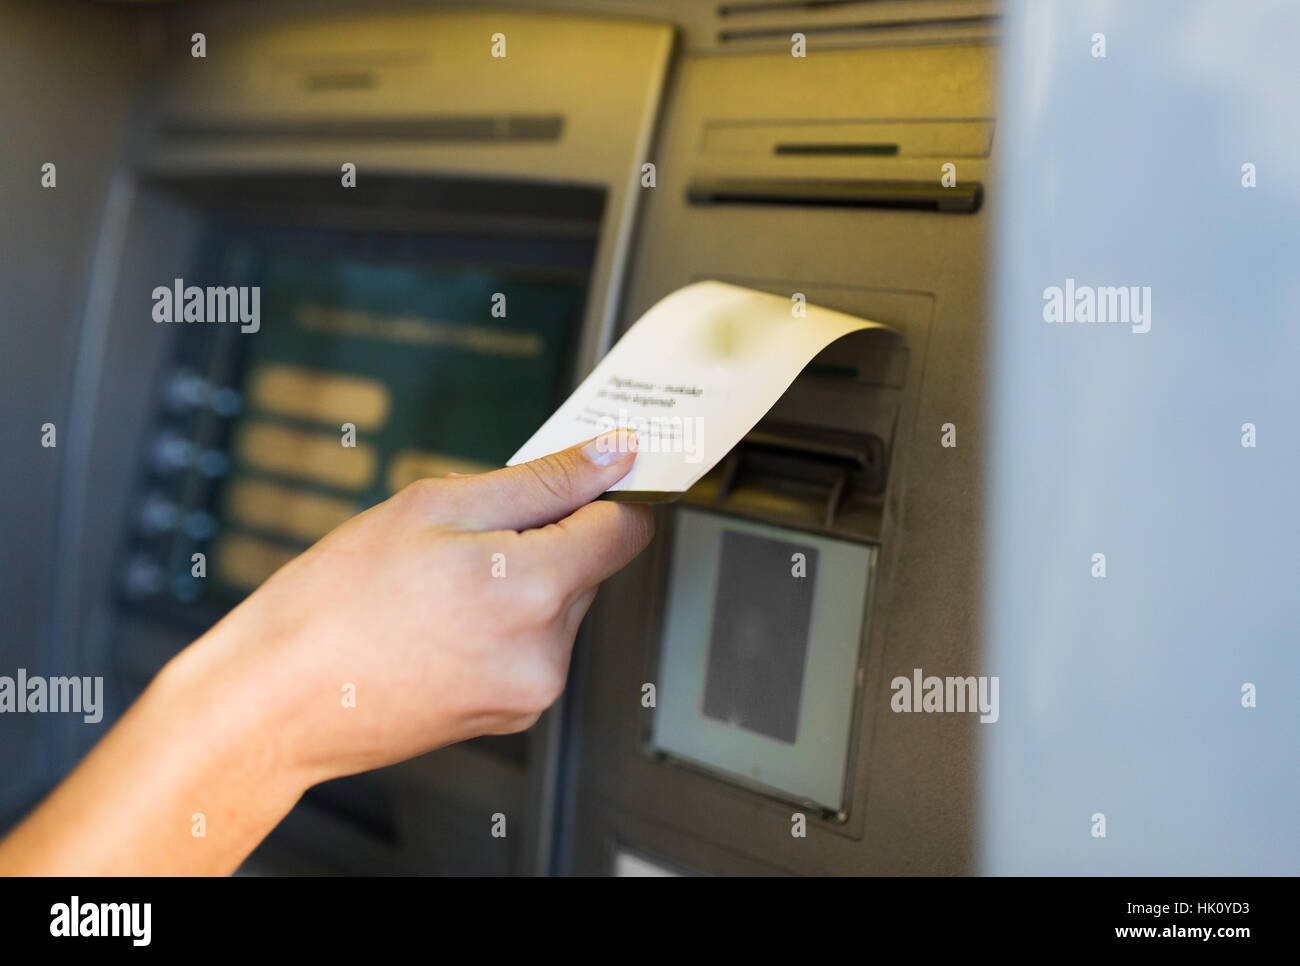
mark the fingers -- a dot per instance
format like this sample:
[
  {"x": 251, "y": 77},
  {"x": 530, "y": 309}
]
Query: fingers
[
  {"x": 594, "y": 542},
  {"x": 542, "y": 491}
]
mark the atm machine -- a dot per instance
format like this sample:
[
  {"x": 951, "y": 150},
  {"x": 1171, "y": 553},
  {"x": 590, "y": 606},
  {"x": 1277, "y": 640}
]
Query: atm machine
[
  {"x": 619, "y": 150},
  {"x": 820, "y": 176}
]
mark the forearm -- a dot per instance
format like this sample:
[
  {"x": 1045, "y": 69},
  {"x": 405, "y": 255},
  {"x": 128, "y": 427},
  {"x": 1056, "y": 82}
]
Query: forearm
[
  {"x": 390, "y": 637},
  {"x": 188, "y": 782}
]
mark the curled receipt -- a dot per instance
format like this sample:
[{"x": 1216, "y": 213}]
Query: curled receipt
[{"x": 691, "y": 377}]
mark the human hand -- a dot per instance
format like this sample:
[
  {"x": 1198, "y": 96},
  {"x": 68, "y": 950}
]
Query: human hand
[{"x": 446, "y": 612}]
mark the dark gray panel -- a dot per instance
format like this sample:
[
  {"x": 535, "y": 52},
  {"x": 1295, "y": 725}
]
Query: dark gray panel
[{"x": 68, "y": 70}]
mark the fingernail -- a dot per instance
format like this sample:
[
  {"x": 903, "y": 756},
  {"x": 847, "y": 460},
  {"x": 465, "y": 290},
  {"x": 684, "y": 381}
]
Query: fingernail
[{"x": 609, "y": 448}]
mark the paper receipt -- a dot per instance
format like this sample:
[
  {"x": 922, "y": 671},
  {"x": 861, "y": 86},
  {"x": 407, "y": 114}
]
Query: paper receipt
[{"x": 691, "y": 377}]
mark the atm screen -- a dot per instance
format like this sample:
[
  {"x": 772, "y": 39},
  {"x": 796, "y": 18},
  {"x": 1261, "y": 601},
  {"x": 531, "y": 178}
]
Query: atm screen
[
  {"x": 758, "y": 662},
  {"x": 377, "y": 360}
]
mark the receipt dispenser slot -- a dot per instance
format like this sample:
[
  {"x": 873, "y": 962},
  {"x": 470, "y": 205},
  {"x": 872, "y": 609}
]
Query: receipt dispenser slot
[{"x": 821, "y": 470}]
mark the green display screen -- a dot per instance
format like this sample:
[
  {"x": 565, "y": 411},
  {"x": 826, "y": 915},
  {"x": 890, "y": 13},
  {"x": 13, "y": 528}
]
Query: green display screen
[
  {"x": 368, "y": 373},
  {"x": 376, "y": 359},
  {"x": 462, "y": 381}
]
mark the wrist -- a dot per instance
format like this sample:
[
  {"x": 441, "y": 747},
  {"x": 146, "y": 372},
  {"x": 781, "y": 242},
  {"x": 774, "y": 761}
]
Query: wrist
[
  {"x": 223, "y": 705},
  {"x": 190, "y": 780}
]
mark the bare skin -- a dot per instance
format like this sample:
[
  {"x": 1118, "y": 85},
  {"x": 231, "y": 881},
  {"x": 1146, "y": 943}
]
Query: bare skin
[{"x": 399, "y": 607}]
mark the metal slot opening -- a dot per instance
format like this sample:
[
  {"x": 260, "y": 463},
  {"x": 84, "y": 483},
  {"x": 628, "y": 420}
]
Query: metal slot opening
[
  {"x": 839, "y": 150},
  {"x": 826, "y": 466},
  {"x": 907, "y": 195}
]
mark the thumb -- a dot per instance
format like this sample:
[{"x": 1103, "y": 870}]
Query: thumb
[{"x": 544, "y": 490}]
